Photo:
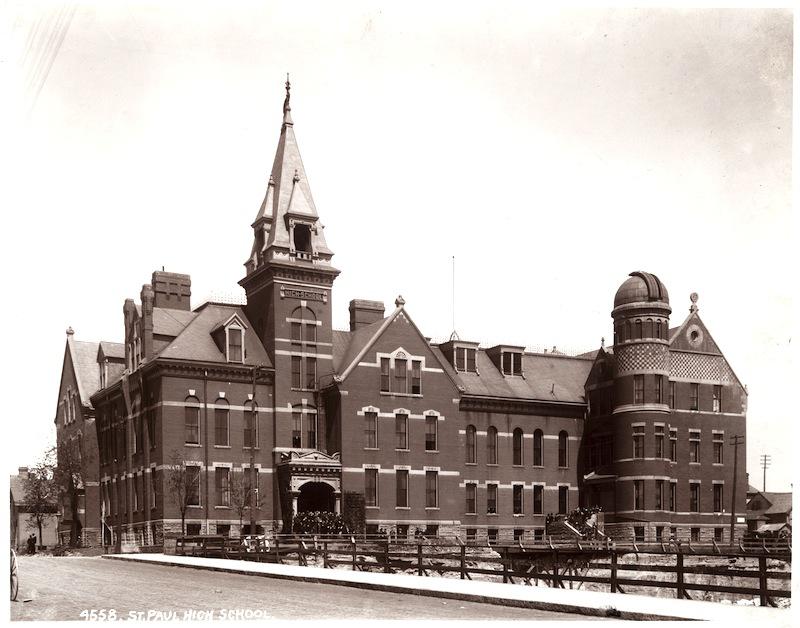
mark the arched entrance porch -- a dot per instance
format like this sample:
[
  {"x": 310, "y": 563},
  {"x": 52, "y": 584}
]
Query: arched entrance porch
[{"x": 316, "y": 496}]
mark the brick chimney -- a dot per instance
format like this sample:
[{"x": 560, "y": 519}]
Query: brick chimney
[
  {"x": 148, "y": 299},
  {"x": 22, "y": 472},
  {"x": 172, "y": 290},
  {"x": 364, "y": 313}
]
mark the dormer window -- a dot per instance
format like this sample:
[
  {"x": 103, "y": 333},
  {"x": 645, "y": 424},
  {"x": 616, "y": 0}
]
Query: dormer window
[
  {"x": 512, "y": 363},
  {"x": 234, "y": 341},
  {"x": 465, "y": 359}
]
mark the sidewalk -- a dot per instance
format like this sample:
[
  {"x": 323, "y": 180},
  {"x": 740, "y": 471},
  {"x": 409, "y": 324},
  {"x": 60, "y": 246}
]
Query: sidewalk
[{"x": 623, "y": 606}]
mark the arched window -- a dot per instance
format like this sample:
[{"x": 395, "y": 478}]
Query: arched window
[
  {"x": 563, "y": 441},
  {"x": 491, "y": 445},
  {"x": 658, "y": 329},
  {"x": 538, "y": 438},
  {"x": 648, "y": 328},
  {"x": 192, "y": 421},
  {"x": 517, "y": 447},
  {"x": 221, "y": 422},
  {"x": 303, "y": 325},
  {"x": 471, "y": 444},
  {"x": 627, "y": 330},
  {"x": 638, "y": 334}
]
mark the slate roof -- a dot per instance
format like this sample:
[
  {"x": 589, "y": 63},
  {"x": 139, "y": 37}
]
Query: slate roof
[
  {"x": 547, "y": 377},
  {"x": 84, "y": 361},
  {"x": 341, "y": 340},
  {"x": 169, "y": 322},
  {"x": 194, "y": 342},
  {"x": 358, "y": 340},
  {"x": 780, "y": 503},
  {"x": 113, "y": 349},
  {"x": 17, "y": 489}
]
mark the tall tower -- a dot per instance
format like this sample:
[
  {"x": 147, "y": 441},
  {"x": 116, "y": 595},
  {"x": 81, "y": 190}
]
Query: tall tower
[
  {"x": 288, "y": 282},
  {"x": 640, "y": 408}
]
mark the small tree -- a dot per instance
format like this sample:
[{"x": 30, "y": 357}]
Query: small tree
[
  {"x": 180, "y": 484},
  {"x": 240, "y": 488},
  {"x": 41, "y": 492},
  {"x": 68, "y": 475}
]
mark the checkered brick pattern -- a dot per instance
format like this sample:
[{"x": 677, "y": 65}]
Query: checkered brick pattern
[
  {"x": 700, "y": 367},
  {"x": 642, "y": 357}
]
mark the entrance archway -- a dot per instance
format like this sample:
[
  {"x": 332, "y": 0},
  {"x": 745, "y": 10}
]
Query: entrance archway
[{"x": 315, "y": 496}]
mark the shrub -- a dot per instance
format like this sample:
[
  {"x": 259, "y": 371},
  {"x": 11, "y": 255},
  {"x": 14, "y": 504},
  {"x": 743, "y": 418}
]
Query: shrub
[{"x": 315, "y": 522}]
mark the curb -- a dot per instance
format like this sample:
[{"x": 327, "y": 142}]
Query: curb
[{"x": 608, "y": 611}]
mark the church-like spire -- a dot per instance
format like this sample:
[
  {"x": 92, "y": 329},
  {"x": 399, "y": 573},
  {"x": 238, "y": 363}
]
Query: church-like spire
[{"x": 287, "y": 227}]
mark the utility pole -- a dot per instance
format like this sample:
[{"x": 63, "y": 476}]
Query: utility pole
[
  {"x": 736, "y": 440},
  {"x": 253, "y": 432},
  {"x": 766, "y": 460}
]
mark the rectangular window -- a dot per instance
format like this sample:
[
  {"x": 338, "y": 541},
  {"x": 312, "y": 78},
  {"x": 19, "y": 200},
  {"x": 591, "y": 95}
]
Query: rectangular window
[
  {"x": 431, "y": 423},
  {"x": 297, "y": 336},
  {"x": 311, "y": 430},
  {"x": 402, "y": 531},
  {"x": 672, "y": 394},
  {"x": 538, "y": 499},
  {"x": 311, "y": 373},
  {"x": 222, "y": 486},
  {"x": 401, "y": 477},
  {"x": 297, "y": 377},
  {"x": 518, "y": 534},
  {"x": 431, "y": 489},
  {"x": 385, "y": 379},
  {"x": 460, "y": 354},
  {"x": 471, "y": 368},
  {"x": 491, "y": 533},
  {"x": 416, "y": 377},
  {"x": 512, "y": 363},
  {"x": 659, "y": 534},
  {"x": 471, "y": 495},
  {"x": 192, "y": 485},
  {"x": 310, "y": 330},
  {"x": 717, "y": 400},
  {"x": 192, "y": 425},
  {"x": 659, "y": 441},
  {"x": 659, "y": 495},
  {"x": 491, "y": 498},
  {"x": 400, "y": 376},
  {"x": 659, "y": 389},
  {"x": 638, "y": 494},
  {"x": 192, "y": 529},
  {"x": 694, "y": 397},
  {"x": 718, "y": 532},
  {"x": 719, "y": 441},
  {"x": 694, "y": 496},
  {"x": 371, "y": 430},
  {"x": 221, "y": 416},
  {"x": 563, "y": 500},
  {"x": 234, "y": 344},
  {"x": 538, "y": 534},
  {"x": 718, "y": 503},
  {"x": 638, "y": 534},
  {"x": 695, "y": 534},
  {"x": 401, "y": 431},
  {"x": 673, "y": 496},
  {"x": 638, "y": 441},
  {"x": 694, "y": 446},
  {"x": 297, "y": 429},
  {"x": 517, "y": 494},
  {"x": 638, "y": 389},
  {"x": 370, "y": 487},
  {"x": 673, "y": 444}
]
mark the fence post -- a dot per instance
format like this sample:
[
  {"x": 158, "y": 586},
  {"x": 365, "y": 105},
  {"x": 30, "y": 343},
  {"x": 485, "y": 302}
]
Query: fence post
[
  {"x": 277, "y": 549},
  {"x": 354, "y": 552},
  {"x": 386, "y": 568},
  {"x": 504, "y": 559},
  {"x": 679, "y": 573},
  {"x": 324, "y": 554},
  {"x": 463, "y": 560},
  {"x": 613, "y": 571},
  {"x": 419, "y": 558},
  {"x": 556, "y": 580},
  {"x": 762, "y": 581}
]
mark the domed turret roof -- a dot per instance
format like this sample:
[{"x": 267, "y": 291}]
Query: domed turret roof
[{"x": 639, "y": 287}]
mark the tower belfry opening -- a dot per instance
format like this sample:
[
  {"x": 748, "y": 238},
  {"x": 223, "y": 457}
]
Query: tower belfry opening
[{"x": 302, "y": 238}]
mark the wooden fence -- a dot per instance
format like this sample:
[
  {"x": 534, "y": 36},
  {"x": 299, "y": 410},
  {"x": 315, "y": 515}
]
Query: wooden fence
[{"x": 556, "y": 564}]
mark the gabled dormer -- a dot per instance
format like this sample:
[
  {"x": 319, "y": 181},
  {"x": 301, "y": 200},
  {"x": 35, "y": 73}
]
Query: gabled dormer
[
  {"x": 461, "y": 354},
  {"x": 229, "y": 338},
  {"x": 507, "y": 359}
]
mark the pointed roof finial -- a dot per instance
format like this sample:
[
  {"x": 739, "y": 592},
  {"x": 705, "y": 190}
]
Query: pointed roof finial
[
  {"x": 296, "y": 176},
  {"x": 271, "y": 181},
  {"x": 399, "y": 301},
  {"x": 602, "y": 342},
  {"x": 693, "y": 298},
  {"x": 287, "y": 116},
  {"x": 70, "y": 331}
]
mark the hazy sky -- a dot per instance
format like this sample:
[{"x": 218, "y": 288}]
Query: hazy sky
[{"x": 550, "y": 153}]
